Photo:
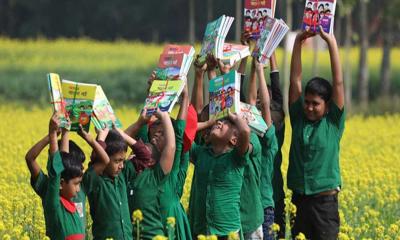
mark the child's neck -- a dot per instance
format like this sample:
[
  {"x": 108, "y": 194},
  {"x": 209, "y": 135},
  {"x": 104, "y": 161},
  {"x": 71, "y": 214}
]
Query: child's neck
[{"x": 220, "y": 148}]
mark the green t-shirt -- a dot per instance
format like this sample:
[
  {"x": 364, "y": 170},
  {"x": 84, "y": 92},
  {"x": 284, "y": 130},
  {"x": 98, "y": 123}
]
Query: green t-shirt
[
  {"x": 39, "y": 185},
  {"x": 314, "y": 151},
  {"x": 269, "y": 145},
  {"x": 62, "y": 218},
  {"x": 251, "y": 210},
  {"x": 108, "y": 205},
  {"x": 216, "y": 185}
]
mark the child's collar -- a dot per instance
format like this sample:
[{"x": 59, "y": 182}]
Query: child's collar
[{"x": 68, "y": 205}]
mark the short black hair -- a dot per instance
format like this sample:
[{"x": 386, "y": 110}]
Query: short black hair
[
  {"x": 115, "y": 143},
  {"x": 75, "y": 151},
  {"x": 321, "y": 87},
  {"x": 73, "y": 167}
]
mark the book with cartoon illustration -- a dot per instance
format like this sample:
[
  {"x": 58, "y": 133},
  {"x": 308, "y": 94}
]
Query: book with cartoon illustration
[
  {"x": 319, "y": 13},
  {"x": 214, "y": 37},
  {"x": 163, "y": 94},
  {"x": 175, "y": 62},
  {"x": 57, "y": 100},
  {"x": 224, "y": 95},
  {"x": 234, "y": 53},
  {"x": 253, "y": 118},
  {"x": 79, "y": 100},
  {"x": 103, "y": 113},
  {"x": 255, "y": 15}
]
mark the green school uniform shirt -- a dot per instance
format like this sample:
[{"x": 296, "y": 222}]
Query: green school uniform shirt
[
  {"x": 314, "y": 151},
  {"x": 108, "y": 205},
  {"x": 269, "y": 145},
  {"x": 251, "y": 210},
  {"x": 39, "y": 185},
  {"x": 62, "y": 218},
  {"x": 216, "y": 185}
]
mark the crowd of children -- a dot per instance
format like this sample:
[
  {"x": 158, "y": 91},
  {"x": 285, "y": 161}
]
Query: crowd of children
[{"x": 237, "y": 185}]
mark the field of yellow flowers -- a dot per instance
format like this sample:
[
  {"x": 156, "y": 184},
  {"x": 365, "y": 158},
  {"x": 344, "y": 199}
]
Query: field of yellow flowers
[{"x": 370, "y": 156}]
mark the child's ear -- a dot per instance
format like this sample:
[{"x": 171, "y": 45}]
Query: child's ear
[
  {"x": 62, "y": 181},
  {"x": 233, "y": 140}
]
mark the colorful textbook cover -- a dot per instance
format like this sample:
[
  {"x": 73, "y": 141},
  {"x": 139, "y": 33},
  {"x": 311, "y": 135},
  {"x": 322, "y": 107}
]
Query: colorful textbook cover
[
  {"x": 319, "y": 13},
  {"x": 175, "y": 62},
  {"x": 253, "y": 118},
  {"x": 56, "y": 97},
  {"x": 79, "y": 100},
  {"x": 234, "y": 53},
  {"x": 102, "y": 111},
  {"x": 224, "y": 95},
  {"x": 255, "y": 15},
  {"x": 214, "y": 37},
  {"x": 163, "y": 94}
]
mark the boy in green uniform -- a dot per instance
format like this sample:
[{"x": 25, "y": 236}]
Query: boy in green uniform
[
  {"x": 39, "y": 179},
  {"x": 106, "y": 187},
  {"x": 317, "y": 121},
  {"x": 219, "y": 176}
]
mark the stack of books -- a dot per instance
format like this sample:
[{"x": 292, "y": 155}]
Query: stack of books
[
  {"x": 234, "y": 53},
  {"x": 272, "y": 34},
  {"x": 214, "y": 37},
  {"x": 255, "y": 15},
  {"x": 253, "y": 118},
  {"x": 80, "y": 103}
]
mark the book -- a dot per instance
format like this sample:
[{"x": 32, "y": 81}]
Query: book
[
  {"x": 175, "y": 62},
  {"x": 103, "y": 112},
  {"x": 253, "y": 118},
  {"x": 319, "y": 13},
  {"x": 255, "y": 15},
  {"x": 234, "y": 53},
  {"x": 163, "y": 94},
  {"x": 56, "y": 98},
  {"x": 224, "y": 95},
  {"x": 214, "y": 37},
  {"x": 273, "y": 33},
  {"x": 79, "y": 100}
]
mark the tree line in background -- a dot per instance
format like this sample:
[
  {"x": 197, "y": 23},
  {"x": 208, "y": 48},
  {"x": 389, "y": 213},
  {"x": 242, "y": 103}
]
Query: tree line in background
[{"x": 361, "y": 23}]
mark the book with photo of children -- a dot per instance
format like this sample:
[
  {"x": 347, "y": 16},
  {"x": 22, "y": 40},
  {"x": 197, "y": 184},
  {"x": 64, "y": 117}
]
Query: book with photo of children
[
  {"x": 103, "y": 112},
  {"x": 214, "y": 37},
  {"x": 163, "y": 94},
  {"x": 255, "y": 15},
  {"x": 224, "y": 95},
  {"x": 175, "y": 62},
  {"x": 56, "y": 98},
  {"x": 273, "y": 33},
  {"x": 319, "y": 13},
  {"x": 79, "y": 100},
  {"x": 234, "y": 53},
  {"x": 253, "y": 118}
]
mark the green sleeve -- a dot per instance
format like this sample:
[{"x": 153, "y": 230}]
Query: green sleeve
[
  {"x": 55, "y": 168},
  {"x": 296, "y": 111},
  {"x": 179, "y": 128},
  {"x": 39, "y": 184},
  {"x": 337, "y": 116},
  {"x": 270, "y": 143},
  {"x": 143, "y": 134},
  {"x": 255, "y": 149},
  {"x": 193, "y": 152},
  {"x": 129, "y": 171},
  {"x": 90, "y": 180},
  {"x": 182, "y": 173}
]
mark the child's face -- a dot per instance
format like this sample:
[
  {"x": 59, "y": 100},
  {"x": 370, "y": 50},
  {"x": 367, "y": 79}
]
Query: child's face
[
  {"x": 71, "y": 188},
  {"x": 157, "y": 138},
  {"x": 222, "y": 130},
  {"x": 116, "y": 164},
  {"x": 314, "y": 107}
]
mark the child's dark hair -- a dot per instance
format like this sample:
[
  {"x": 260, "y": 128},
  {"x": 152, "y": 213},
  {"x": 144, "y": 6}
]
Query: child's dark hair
[
  {"x": 320, "y": 87},
  {"x": 73, "y": 167},
  {"x": 75, "y": 151},
  {"x": 115, "y": 143}
]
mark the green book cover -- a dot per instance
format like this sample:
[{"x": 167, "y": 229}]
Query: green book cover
[
  {"x": 56, "y": 98},
  {"x": 253, "y": 118},
  {"x": 224, "y": 95},
  {"x": 103, "y": 112}
]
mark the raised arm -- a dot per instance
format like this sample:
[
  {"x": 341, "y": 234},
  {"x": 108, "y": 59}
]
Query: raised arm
[
  {"x": 243, "y": 138},
  {"x": 212, "y": 64},
  {"x": 252, "y": 91},
  {"x": 336, "y": 67},
  {"x": 264, "y": 94},
  {"x": 197, "y": 92},
  {"x": 296, "y": 67},
  {"x": 32, "y": 155},
  {"x": 101, "y": 154},
  {"x": 168, "y": 151},
  {"x": 54, "y": 125},
  {"x": 276, "y": 93},
  {"x": 134, "y": 129},
  {"x": 64, "y": 145},
  {"x": 183, "y": 110},
  {"x": 245, "y": 40}
]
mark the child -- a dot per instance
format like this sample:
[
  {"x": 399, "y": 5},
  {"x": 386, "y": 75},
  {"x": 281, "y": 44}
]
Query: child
[
  {"x": 39, "y": 179},
  {"x": 106, "y": 187},
  {"x": 317, "y": 120},
  {"x": 153, "y": 166}
]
